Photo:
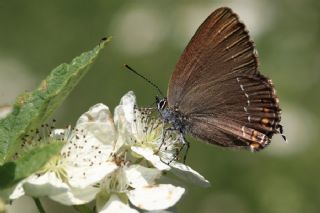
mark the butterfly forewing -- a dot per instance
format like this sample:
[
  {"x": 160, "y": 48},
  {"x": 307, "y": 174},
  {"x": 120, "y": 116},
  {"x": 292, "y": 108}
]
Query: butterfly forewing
[
  {"x": 220, "y": 40},
  {"x": 217, "y": 87}
]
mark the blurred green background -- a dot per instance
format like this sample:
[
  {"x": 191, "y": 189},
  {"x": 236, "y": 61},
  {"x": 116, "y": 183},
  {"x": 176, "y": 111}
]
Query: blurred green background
[{"x": 36, "y": 36}]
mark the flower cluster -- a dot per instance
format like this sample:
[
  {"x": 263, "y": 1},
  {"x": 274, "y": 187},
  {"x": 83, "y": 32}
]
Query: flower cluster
[{"x": 120, "y": 162}]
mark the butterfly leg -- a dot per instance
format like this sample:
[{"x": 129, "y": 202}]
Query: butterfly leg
[
  {"x": 186, "y": 144},
  {"x": 187, "y": 149},
  {"x": 164, "y": 134}
]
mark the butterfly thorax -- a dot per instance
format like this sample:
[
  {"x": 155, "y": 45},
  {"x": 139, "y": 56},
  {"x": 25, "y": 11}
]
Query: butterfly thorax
[{"x": 171, "y": 115}]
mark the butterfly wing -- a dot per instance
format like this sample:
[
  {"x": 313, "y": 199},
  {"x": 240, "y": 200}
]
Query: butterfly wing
[
  {"x": 247, "y": 114},
  {"x": 217, "y": 86}
]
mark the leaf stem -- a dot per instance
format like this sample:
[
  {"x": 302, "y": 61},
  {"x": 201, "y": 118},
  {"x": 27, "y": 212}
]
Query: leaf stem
[{"x": 39, "y": 205}]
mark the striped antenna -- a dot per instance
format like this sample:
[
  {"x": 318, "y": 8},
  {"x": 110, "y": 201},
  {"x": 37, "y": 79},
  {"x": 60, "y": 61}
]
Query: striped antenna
[{"x": 147, "y": 80}]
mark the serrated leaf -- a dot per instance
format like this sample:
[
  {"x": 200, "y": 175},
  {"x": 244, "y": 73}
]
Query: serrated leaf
[
  {"x": 14, "y": 171},
  {"x": 33, "y": 108}
]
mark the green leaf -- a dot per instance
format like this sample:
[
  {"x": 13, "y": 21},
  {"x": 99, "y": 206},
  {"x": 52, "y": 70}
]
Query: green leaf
[
  {"x": 33, "y": 108},
  {"x": 14, "y": 171}
]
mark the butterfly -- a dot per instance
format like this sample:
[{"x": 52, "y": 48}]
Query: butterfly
[{"x": 216, "y": 92}]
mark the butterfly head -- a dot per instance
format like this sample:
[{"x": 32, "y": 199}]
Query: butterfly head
[{"x": 161, "y": 103}]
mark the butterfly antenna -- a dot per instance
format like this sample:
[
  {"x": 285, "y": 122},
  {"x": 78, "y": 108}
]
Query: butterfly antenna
[{"x": 147, "y": 80}]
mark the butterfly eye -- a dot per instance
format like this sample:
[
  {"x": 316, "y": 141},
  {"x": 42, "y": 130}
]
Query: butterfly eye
[{"x": 162, "y": 104}]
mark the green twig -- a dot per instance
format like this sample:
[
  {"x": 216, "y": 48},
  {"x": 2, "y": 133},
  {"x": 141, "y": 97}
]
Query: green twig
[
  {"x": 83, "y": 209},
  {"x": 39, "y": 205}
]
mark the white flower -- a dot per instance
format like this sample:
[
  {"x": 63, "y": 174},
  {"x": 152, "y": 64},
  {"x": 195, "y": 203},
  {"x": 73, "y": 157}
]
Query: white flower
[
  {"x": 117, "y": 162},
  {"x": 134, "y": 181},
  {"x": 69, "y": 177},
  {"x": 144, "y": 135}
]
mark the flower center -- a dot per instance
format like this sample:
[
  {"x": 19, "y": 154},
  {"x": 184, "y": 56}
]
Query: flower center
[
  {"x": 55, "y": 165},
  {"x": 150, "y": 132},
  {"x": 147, "y": 129}
]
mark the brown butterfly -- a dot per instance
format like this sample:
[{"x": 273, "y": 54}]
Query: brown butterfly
[{"x": 216, "y": 92}]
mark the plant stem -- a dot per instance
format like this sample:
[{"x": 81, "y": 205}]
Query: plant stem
[
  {"x": 39, "y": 205},
  {"x": 83, "y": 209}
]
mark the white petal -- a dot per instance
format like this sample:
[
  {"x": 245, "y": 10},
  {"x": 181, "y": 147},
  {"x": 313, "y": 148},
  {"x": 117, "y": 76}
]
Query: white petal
[
  {"x": 98, "y": 121},
  {"x": 139, "y": 176},
  {"x": 84, "y": 176},
  {"x": 58, "y": 133},
  {"x": 149, "y": 155},
  {"x": 96, "y": 113},
  {"x": 76, "y": 196},
  {"x": 124, "y": 117},
  {"x": 18, "y": 191},
  {"x": 156, "y": 197},
  {"x": 5, "y": 110},
  {"x": 188, "y": 174},
  {"x": 89, "y": 147},
  {"x": 44, "y": 185},
  {"x": 127, "y": 103},
  {"x": 114, "y": 205}
]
